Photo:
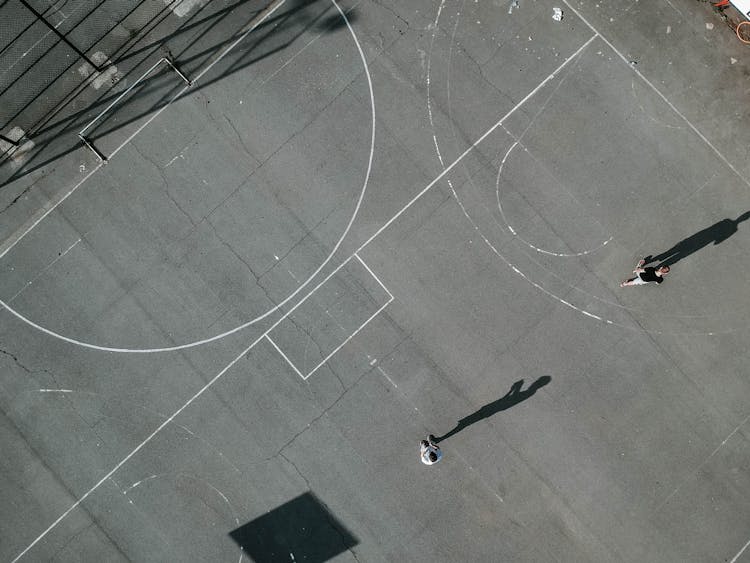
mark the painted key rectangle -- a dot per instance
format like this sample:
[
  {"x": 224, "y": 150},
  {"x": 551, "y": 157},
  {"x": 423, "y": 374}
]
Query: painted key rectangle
[{"x": 331, "y": 316}]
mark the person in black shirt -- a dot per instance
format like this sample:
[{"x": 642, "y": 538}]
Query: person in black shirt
[{"x": 646, "y": 275}]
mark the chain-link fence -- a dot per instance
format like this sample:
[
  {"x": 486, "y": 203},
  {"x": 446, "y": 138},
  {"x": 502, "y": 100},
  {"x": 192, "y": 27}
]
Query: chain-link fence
[{"x": 50, "y": 48}]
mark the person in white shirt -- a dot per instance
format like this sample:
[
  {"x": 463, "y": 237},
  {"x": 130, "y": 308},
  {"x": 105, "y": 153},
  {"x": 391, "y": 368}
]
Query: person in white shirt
[{"x": 429, "y": 452}]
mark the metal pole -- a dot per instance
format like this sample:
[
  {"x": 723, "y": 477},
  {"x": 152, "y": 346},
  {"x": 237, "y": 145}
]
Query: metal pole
[
  {"x": 96, "y": 151},
  {"x": 178, "y": 71}
]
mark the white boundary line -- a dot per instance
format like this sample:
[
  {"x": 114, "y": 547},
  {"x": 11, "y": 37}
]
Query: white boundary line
[
  {"x": 695, "y": 471},
  {"x": 348, "y": 338},
  {"x": 283, "y": 355},
  {"x": 377, "y": 279},
  {"x": 40, "y": 215},
  {"x": 740, "y": 553}
]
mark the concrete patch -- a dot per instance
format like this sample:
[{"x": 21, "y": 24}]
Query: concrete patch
[
  {"x": 110, "y": 75},
  {"x": 182, "y": 9},
  {"x": 17, "y": 154}
]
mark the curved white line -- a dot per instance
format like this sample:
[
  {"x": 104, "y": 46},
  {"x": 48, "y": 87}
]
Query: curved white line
[
  {"x": 194, "y": 478},
  {"x": 291, "y": 296},
  {"x": 519, "y": 237}
]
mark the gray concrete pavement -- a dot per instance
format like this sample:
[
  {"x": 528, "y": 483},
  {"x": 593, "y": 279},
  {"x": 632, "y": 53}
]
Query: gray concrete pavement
[{"x": 165, "y": 314}]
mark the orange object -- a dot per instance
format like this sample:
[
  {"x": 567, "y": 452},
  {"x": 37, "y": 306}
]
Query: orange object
[{"x": 746, "y": 41}]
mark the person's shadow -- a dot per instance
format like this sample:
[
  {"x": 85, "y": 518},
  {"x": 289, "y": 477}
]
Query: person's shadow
[
  {"x": 514, "y": 396},
  {"x": 716, "y": 233}
]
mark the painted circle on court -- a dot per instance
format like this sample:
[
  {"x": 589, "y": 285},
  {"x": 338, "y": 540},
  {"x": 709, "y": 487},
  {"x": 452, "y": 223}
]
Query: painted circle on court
[{"x": 302, "y": 285}]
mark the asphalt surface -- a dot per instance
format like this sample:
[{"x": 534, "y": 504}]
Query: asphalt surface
[{"x": 367, "y": 222}]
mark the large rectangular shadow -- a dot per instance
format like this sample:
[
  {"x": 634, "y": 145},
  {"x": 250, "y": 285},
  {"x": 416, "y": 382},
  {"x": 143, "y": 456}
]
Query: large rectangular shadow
[{"x": 300, "y": 530}]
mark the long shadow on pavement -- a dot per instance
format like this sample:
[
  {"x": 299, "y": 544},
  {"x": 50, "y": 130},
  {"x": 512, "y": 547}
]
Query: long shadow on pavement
[
  {"x": 716, "y": 233},
  {"x": 512, "y": 398}
]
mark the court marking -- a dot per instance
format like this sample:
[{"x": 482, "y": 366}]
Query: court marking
[
  {"x": 734, "y": 559},
  {"x": 283, "y": 355},
  {"x": 245, "y": 351},
  {"x": 90, "y": 142},
  {"x": 377, "y": 232},
  {"x": 701, "y": 464},
  {"x": 348, "y": 338},
  {"x": 516, "y": 143},
  {"x": 510, "y": 150},
  {"x": 43, "y": 270},
  {"x": 575, "y": 288},
  {"x": 52, "y": 204},
  {"x": 193, "y": 477}
]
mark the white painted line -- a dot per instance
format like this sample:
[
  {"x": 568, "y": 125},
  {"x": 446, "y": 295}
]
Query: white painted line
[
  {"x": 177, "y": 412},
  {"x": 114, "y": 102},
  {"x": 340, "y": 346},
  {"x": 253, "y": 27},
  {"x": 377, "y": 279},
  {"x": 39, "y": 216},
  {"x": 391, "y": 382},
  {"x": 42, "y": 271},
  {"x": 734, "y": 559},
  {"x": 208, "y": 67},
  {"x": 283, "y": 355},
  {"x": 352, "y": 335},
  {"x": 704, "y": 462}
]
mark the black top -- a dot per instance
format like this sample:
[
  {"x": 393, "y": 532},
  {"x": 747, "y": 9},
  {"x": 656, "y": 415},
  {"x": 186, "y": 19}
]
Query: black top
[{"x": 650, "y": 275}]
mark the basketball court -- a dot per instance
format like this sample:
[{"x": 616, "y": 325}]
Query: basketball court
[{"x": 292, "y": 239}]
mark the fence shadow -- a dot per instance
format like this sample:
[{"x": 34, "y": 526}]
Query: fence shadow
[{"x": 56, "y": 136}]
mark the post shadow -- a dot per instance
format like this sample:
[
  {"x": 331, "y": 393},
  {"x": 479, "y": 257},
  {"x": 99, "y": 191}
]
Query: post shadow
[
  {"x": 512, "y": 398},
  {"x": 303, "y": 529},
  {"x": 716, "y": 233}
]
